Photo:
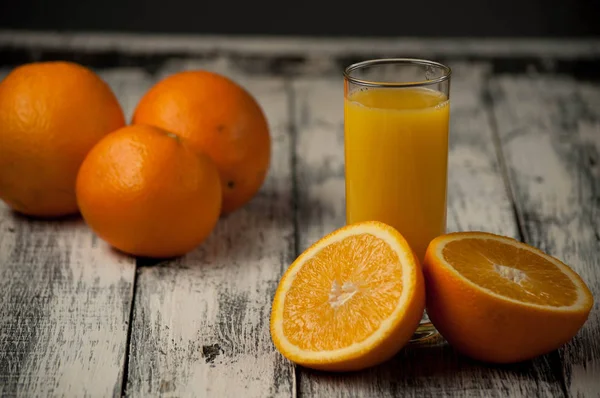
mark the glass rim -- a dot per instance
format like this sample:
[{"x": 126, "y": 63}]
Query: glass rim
[{"x": 380, "y": 61}]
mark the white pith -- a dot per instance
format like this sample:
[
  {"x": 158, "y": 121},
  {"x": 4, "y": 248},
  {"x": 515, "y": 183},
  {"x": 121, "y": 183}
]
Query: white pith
[
  {"x": 512, "y": 274},
  {"x": 341, "y": 293}
]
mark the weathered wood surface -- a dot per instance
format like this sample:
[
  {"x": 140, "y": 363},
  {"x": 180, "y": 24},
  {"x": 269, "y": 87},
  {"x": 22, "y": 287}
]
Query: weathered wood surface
[
  {"x": 477, "y": 200},
  {"x": 201, "y": 322},
  {"x": 66, "y": 300},
  {"x": 549, "y": 129},
  {"x": 64, "y": 318},
  {"x": 128, "y": 84}
]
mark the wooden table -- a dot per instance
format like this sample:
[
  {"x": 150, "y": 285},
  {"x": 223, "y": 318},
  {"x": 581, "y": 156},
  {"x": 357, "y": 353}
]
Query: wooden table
[{"x": 78, "y": 319}]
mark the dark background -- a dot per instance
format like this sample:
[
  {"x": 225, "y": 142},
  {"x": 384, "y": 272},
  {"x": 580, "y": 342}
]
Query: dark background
[{"x": 424, "y": 18}]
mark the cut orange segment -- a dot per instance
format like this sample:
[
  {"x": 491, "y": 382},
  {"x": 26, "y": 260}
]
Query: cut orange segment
[
  {"x": 350, "y": 301},
  {"x": 499, "y": 300}
]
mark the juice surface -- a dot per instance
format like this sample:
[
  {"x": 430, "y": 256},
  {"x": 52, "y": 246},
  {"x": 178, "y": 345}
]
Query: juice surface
[{"x": 396, "y": 156}]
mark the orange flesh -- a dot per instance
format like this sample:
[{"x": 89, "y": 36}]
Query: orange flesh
[
  {"x": 342, "y": 294},
  {"x": 510, "y": 271}
]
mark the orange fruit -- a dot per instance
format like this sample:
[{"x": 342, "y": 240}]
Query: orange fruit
[
  {"x": 147, "y": 193},
  {"x": 499, "y": 300},
  {"x": 51, "y": 114},
  {"x": 351, "y": 300},
  {"x": 218, "y": 117}
]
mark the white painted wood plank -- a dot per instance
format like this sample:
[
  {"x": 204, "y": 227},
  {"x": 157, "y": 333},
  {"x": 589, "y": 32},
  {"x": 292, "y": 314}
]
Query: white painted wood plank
[
  {"x": 129, "y": 85},
  {"x": 133, "y": 43},
  {"x": 549, "y": 128},
  {"x": 201, "y": 322},
  {"x": 477, "y": 200},
  {"x": 477, "y": 195},
  {"x": 65, "y": 309},
  {"x": 66, "y": 300}
]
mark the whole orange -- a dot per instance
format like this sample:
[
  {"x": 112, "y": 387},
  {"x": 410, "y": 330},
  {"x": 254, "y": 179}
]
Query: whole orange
[
  {"x": 218, "y": 117},
  {"x": 147, "y": 193},
  {"x": 51, "y": 114}
]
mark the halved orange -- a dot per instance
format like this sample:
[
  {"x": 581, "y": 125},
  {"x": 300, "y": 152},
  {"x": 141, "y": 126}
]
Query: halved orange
[
  {"x": 499, "y": 300},
  {"x": 350, "y": 301}
]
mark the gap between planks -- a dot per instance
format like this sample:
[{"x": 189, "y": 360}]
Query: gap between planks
[{"x": 128, "y": 84}]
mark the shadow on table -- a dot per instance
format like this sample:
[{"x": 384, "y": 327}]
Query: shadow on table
[
  {"x": 70, "y": 219},
  {"x": 261, "y": 228},
  {"x": 434, "y": 365}
]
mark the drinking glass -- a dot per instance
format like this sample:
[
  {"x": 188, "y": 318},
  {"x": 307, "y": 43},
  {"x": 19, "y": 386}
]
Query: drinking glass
[{"x": 396, "y": 122}]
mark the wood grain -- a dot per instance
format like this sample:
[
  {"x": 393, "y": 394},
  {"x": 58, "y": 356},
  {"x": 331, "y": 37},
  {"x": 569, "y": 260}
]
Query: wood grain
[
  {"x": 201, "y": 322},
  {"x": 477, "y": 196},
  {"x": 477, "y": 200},
  {"x": 549, "y": 127},
  {"x": 66, "y": 300}
]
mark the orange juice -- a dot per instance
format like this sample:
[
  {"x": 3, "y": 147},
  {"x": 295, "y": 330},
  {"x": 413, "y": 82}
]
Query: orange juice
[{"x": 396, "y": 156}]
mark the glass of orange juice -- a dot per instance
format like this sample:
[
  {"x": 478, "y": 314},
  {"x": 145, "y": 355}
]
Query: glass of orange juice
[{"x": 396, "y": 122}]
